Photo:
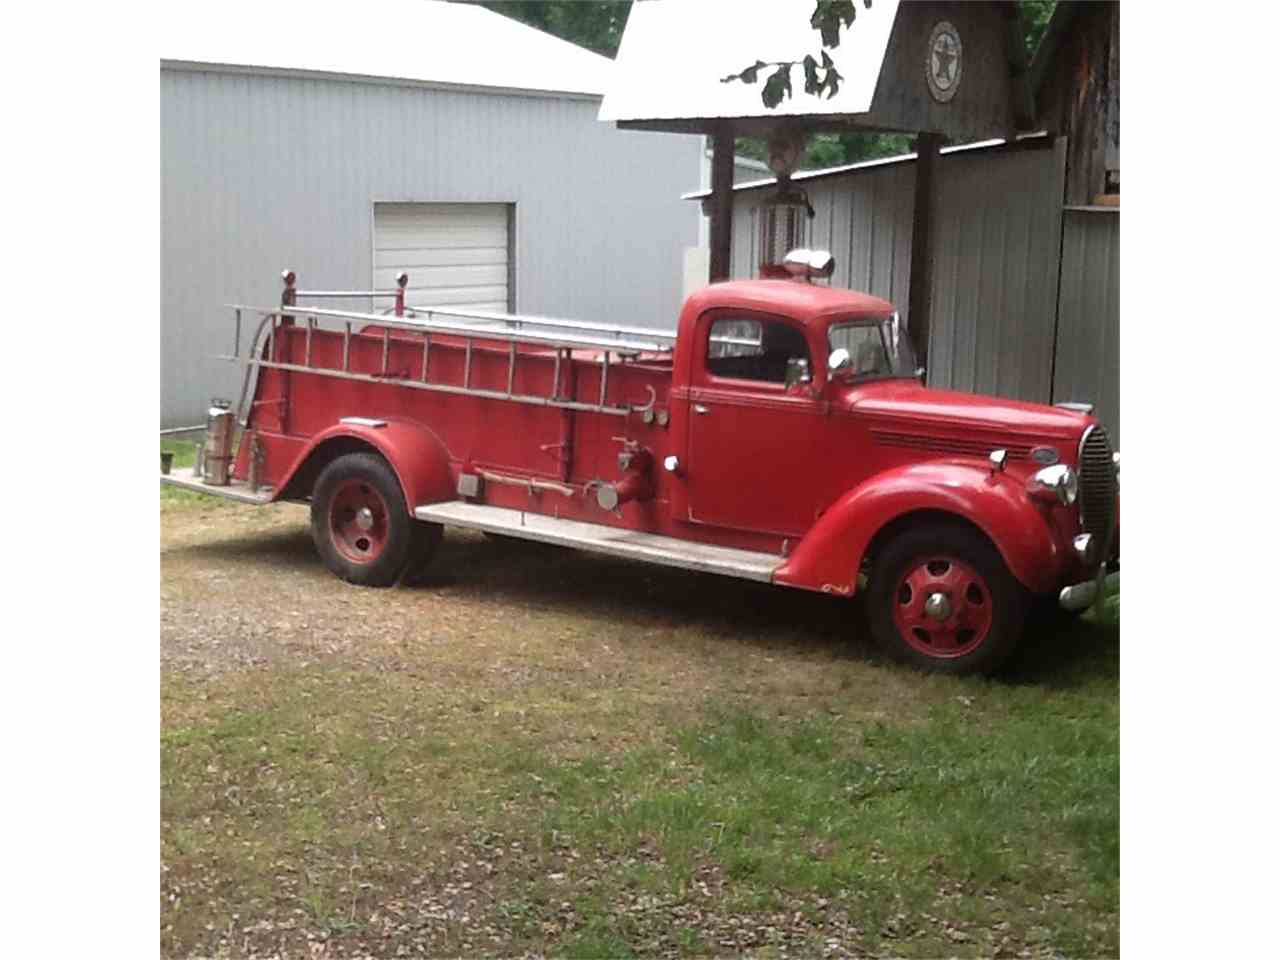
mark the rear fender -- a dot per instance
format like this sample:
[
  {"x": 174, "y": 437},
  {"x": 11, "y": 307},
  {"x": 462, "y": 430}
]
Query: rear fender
[
  {"x": 415, "y": 453},
  {"x": 830, "y": 555}
]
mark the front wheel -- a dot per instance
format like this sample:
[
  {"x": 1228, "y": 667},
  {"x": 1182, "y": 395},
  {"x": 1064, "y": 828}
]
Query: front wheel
[
  {"x": 360, "y": 524},
  {"x": 942, "y": 599}
]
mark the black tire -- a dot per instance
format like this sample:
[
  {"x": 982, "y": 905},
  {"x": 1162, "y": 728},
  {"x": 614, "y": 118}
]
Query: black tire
[
  {"x": 997, "y": 587},
  {"x": 426, "y": 541},
  {"x": 395, "y": 540}
]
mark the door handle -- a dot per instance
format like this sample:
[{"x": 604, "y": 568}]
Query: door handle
[{"x": 699, "y": 408}]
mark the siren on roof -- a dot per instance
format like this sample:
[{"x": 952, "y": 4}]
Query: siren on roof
[
  {"x": 784, "y": 214},
  {"x": 809, "y": 264}
]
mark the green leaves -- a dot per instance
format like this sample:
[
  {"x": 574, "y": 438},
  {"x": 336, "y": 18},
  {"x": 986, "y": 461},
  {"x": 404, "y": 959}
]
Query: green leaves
[
  {"x": 830, "y": 76},
  {"x": 816, "y": 78},
  {"x": 833, "y": 78},
  {"x": 829, "y": 16},
  {"x": 778, "y": 84},
  {"x": 811, "y": 84},
  {"x": 748, "y": 75}
]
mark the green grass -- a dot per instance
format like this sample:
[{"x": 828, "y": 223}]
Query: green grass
[
  {"x": 886, "y": 818},
  {"x": 184, "y": 451},
  {"x": 988, "y": 810},
  {"x": 184, "y": 455}
]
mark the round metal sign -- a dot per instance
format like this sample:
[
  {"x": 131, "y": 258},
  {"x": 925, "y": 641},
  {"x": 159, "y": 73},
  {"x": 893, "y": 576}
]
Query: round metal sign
[{"x": 943, "y": 62}]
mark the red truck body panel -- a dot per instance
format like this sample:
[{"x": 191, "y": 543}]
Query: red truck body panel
[{"x": 810, "y": 473}]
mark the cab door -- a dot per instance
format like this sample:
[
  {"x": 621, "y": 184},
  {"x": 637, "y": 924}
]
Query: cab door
[{"x": 754, "y": 452}]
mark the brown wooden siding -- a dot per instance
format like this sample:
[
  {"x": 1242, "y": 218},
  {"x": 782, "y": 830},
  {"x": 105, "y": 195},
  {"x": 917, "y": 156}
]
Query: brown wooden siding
[
  {"x": 1080, "y": 97},
  {"x": 981, "y": 107}
]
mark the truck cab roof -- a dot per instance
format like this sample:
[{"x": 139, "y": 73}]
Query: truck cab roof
[{"x": 806, "y": 302}]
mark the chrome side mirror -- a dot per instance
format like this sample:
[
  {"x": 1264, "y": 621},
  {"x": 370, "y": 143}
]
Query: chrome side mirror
[
  {"x": 797, "y": 372},
  {"x": 840, "y": 361}
]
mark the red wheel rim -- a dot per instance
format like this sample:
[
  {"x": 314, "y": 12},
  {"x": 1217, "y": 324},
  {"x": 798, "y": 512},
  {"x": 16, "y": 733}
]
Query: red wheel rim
[
  {"x": 942, "y": 607},
  {"x": 358, "y": 521}
]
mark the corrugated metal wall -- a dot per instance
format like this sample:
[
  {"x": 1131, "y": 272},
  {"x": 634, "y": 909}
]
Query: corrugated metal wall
[
  {"x": 259, "y": 173},
  {"x": 864, "y": 219},
  {"x": 995, "y": 247},
  {"x": 1088, "y": 329},
  {"x": 997, "y": 244}
]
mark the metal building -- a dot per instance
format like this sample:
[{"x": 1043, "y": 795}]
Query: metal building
[
  {"x": 1025, "y": 291},
  {"x": 349, "y": 142}
]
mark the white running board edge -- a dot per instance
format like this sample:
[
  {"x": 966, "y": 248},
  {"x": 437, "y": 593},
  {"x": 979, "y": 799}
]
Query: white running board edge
[{"x": 598, "y": 538}]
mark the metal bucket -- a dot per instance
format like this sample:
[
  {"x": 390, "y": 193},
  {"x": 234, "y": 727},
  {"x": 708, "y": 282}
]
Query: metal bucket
[{"x": 220, "y": 429}]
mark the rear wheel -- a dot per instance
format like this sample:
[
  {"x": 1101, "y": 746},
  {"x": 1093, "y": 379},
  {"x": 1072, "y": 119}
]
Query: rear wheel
[
  {"x": 360, "y": 523},
  {"x": 942, "y": 599}
]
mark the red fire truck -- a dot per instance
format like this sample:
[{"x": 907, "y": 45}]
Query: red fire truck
[{"x": 782, "y": 433}]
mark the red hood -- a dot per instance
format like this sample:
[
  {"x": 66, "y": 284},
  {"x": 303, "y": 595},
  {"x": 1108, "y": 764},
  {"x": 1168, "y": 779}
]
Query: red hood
[{"x": 904, "y": 402}]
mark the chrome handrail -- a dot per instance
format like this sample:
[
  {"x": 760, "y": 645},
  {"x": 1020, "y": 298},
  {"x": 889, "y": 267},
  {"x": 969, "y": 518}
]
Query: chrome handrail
[{"x": 429, "y": 325}]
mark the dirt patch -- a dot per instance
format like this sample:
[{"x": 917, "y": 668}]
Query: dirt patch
[{"x": 241, "y": 586}]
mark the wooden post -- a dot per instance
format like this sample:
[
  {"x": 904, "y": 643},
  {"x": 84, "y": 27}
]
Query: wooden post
[
  {"x": 721, "y": 201},
  {"x": 920, "y": 295}
]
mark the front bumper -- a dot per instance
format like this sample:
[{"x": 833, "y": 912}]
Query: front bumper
[{"x": 1080, "y": 596}]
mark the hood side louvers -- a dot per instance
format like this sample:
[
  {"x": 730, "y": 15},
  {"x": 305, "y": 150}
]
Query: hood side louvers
[{"x": 954, "y": 445}]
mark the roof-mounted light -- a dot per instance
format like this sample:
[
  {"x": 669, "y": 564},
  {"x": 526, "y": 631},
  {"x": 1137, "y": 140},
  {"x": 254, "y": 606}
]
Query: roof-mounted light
[{"x": 809, "y": 264}]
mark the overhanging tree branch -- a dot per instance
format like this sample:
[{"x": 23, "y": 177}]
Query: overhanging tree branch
[{"x": 829, "y": 17}]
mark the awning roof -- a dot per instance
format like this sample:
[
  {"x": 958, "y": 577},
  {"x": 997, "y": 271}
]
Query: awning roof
[{"x": 674, "y": 54}]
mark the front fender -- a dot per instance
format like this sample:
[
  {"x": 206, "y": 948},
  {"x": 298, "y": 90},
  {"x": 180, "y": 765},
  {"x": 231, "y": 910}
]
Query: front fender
[
  {"x": 830, "y": 555},
  {"x": 415, "y": 453}
]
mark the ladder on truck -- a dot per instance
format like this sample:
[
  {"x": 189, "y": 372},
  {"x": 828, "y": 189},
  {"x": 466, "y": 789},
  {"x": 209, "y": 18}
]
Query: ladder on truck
[{"x": 562, "y": 337}]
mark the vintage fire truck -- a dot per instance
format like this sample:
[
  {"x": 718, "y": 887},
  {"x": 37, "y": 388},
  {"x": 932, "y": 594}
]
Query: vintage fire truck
[{"x": 782, "y": 433}]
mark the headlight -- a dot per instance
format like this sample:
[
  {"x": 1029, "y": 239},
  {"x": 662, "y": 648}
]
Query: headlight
[{"x": 1058, "y": 482}]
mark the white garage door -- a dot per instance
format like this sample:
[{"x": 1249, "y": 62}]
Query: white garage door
[{"x": 455, "y": 253}]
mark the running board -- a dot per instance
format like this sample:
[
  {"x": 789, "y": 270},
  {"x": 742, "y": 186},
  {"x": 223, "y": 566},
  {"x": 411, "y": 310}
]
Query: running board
[
  {"x": 235, "y": 490},
  {"x": 597, "y": 538}
]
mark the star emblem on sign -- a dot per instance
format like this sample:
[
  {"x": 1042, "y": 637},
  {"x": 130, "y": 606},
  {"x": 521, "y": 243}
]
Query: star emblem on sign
[{"x": 943, "y": 61}]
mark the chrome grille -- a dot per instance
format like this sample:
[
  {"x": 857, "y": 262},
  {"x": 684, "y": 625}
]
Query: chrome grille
[{"x": 1097, "y": 486}]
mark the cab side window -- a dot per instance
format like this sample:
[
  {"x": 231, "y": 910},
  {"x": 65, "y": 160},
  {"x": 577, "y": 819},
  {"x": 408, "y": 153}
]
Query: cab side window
[{"x": 750, "y": 349}]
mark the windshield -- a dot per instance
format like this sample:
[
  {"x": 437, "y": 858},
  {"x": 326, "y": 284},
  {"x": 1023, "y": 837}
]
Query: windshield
[{"x": 878, "y": 347}]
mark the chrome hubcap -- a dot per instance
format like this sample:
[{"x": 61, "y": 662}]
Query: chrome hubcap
[
  {"x": 937, "y": 606},
  {"x": 364, "y": 519}
]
